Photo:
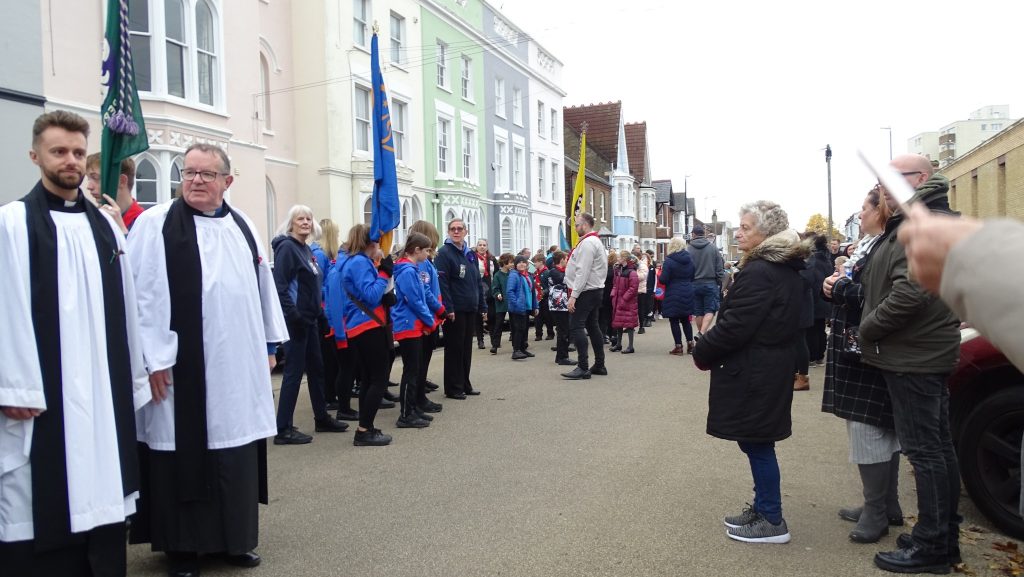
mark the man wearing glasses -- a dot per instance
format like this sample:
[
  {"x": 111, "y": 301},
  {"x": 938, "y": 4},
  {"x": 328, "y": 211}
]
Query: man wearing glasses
[
  {"x": 458, "y": 274},
  {"x": 912, "y": 337},
  {"x": 210, "y": 321}
]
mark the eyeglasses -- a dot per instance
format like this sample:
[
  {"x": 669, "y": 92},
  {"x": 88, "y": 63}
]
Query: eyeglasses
[
  {"x": 456, "y": 228},
  {"x": 911, "y": 173},
  {"x": 204, "y": 175}
]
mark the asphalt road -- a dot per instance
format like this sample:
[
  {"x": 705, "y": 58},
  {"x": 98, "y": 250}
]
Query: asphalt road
[{"x": 539, "y": 476}]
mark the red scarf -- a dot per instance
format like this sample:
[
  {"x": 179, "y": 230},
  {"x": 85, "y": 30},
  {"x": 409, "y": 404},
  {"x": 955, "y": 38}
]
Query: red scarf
[{"x": 582, "y": 238}]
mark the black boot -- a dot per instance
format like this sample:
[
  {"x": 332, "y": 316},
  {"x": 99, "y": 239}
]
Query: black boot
[
  {"x": 892, "y": 498},
  {"x": 873, "y": 523}
]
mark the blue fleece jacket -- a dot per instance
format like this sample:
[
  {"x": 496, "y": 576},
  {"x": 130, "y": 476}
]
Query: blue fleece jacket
[
  {"x": 520, "y": 294},
  {"x": 360, "y": 278},
  {"x": 410, "y": 315},
  {"x": 335, "y": 300},
  {"x": 428, "y": 276}
]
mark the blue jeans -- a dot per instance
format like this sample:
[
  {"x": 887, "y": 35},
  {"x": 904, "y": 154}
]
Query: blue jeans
[
  {"x": 764, "y": 467},
  {"x": 920, "y": 405},
  {"x": 301, "y": 355}
]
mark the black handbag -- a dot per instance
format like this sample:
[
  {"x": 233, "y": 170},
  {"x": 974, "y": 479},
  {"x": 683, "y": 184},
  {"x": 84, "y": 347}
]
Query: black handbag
[{"x": 851, "y": 342}]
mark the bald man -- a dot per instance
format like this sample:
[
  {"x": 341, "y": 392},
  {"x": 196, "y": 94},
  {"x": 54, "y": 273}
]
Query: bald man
[{"x": 913, "y": 339}]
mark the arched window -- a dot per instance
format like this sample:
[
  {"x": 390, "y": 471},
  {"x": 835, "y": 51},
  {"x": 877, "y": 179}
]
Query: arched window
[
  {"x": 264, "y": 100},
  {"x": 175, "y": 175},
  {"x": 206, "y": 52},
  {"x": 145, "y": 183},
  {"x": 271, "y": 208},
  {"x": 448, "y": 217},
  {"x": 368, "y": 210},
  {"x": 506, "y": 235}
]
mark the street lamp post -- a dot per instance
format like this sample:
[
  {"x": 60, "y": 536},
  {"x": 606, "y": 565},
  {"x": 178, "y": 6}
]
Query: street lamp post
[
  {"x": 889, "y": 129},
  {"x": 828, "y": 164}
]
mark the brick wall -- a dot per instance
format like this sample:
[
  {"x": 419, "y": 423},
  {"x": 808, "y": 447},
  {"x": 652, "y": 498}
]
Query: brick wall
[{"x": 989, "y": 181}]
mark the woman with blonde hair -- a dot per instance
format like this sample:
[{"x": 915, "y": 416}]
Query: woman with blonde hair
[
  {"x": 677, "y": 306},
  {"x": 325, "y": 251}
]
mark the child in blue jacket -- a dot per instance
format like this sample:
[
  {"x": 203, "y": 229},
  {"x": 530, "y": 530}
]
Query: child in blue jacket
[
  {"x": 522, "y": 304},
  {"x": 412, "y": 320}
]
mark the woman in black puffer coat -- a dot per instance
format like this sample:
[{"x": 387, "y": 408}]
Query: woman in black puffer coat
[
  {"x": 677, "y": 306},
  {"x": 751, "y": 352}
]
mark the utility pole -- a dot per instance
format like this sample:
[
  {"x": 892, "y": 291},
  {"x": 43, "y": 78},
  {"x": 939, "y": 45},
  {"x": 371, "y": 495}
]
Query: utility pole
[
  {"x": 828, "y": 164},
  {"x": 686, "y": 207}
]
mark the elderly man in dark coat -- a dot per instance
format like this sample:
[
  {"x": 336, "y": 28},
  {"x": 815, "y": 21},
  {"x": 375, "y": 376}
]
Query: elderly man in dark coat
[{"x": 751, "y": 351}]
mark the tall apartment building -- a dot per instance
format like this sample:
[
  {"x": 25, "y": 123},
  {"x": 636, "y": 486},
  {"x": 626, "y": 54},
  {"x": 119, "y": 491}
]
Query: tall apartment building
[{"x": 959, "y": 137}]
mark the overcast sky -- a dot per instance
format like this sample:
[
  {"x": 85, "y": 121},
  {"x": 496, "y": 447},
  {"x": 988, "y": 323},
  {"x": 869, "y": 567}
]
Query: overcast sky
[{"x": 743, "y": 96}]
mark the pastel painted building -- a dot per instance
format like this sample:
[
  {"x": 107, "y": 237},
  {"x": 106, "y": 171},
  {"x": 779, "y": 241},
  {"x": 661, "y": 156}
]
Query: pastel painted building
[{"x": 333, "y": 103}]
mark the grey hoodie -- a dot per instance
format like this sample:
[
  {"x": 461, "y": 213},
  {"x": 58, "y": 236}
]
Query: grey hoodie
[{"x": 707, "y": 261}]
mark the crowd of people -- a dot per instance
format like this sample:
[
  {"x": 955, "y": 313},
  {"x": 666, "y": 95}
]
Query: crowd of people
[{"x": 180, "y": 323}]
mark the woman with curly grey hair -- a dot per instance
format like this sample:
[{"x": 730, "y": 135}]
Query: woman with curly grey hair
[{"x": 751, "y": 352}]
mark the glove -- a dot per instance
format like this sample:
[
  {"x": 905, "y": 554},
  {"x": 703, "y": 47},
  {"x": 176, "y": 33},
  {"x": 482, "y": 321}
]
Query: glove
[
  {"x": 323, "y": 326},
  {"x": 389, "y": 299},
  {"x": 387, "y": 266}
]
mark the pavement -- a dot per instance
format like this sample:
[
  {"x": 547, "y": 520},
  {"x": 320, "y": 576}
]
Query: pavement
[{"x": 539, "y": 476}]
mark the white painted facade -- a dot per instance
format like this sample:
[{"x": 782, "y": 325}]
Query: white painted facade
[{"x": 547, "y": 198}]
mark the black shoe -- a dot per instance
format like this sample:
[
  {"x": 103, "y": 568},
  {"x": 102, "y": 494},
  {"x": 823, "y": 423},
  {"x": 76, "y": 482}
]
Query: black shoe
[
  {"x": 422, "y": 414},
  {"x": 555, "y": 349},
  {"x": 347, "y": 415},
  {"x": 456, "y": 396},
  {"x": 411, "y": 422},
  {"x": 386, "y": 404},
  {"x": 431, "y": 386},
  {"x": 566, "y": 362},
  {"x": 550, "y": 337},
  {"x": 615, "y": 348},
  {"x": 538, "y": 338},
  {"x": 577, "y": 374},
  {"x": 292, "y": 437},
  {"x": 641, "y": 331},
  {"x": 494, "y": 350},
  {"x": 529, "y": 354},
  {"x": 431, "y": 407},
  {"x": 572, "y": 349},
  {"x": 472, "y": 392},
  {"x": 628, "y": 351},
  {"x": 519, "y": 355},
  {"x": 332, "y": 406},
  {"x": 371, "y": 438},
  {"x": 392, "y": 384},
  {"x": 392, "y": 397},
  {"x": 182, "y": 564},
  {"x": 912, "y": 560},
  {"x": 598, "y": 370},
  {"x": 905, "y": 541},
  {"x": 330, "y": 425},
  {"x": 480, "y": 344},
  {"x": 853, "y": 515},
  {"x": 248, "y": 560}
]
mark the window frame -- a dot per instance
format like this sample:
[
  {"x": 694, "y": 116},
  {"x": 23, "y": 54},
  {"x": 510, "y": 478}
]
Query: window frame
[
  {"x": 466, "y": 78},
  {"x": 443, "y": 144},
  {"x": 362, "y": 25},
  {"x": 499, "y": 97},
  {"x": 156, "y": 65},
  {"x": 517, "y": 106},
  {"x": 357, "y": 122},
  {"x": 542, "y": 163},
  {"x": 518, "y": 172},
  {"x": 397, "y": 52},
  {"x": 501, "y": 151},
  {"x": 399, "y": 126},
  {"x": 468, "y": 153},
  {"x": 441, "y": 55},
  {"x": 540, "y": 119}
]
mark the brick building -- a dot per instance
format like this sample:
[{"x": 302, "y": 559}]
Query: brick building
[{"x": 988, "y": 181}]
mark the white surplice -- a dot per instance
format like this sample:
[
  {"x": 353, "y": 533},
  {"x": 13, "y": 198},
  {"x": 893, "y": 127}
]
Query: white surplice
[
  {"x": 238, "y": 322},
  {"x": 95, "y": 492}
]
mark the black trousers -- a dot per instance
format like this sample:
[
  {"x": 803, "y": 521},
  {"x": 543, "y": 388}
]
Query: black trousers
[
  {"x": 499, "y": 321},
  {"x": 429, "y": 344},
  {"x": 544, "y": 320},
  {"x": 584, "y": 325},
  {"x": 816, "y": 341},
  {"x": 561, "y": 320},
  {"x": 458, "y": 352},
  {"x": 412, "y": 353},
  {"x": 375, "y": 350},
  {"x": 330, "y": 359},
  {"x": 520, "y": 323},
  {"x": 102, "y": 553},
  {"x": 346, "y": 377}
]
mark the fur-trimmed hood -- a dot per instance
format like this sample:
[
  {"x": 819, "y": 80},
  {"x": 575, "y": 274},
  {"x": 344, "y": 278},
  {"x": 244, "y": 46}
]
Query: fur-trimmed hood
[{"x": 779, "y": 248}]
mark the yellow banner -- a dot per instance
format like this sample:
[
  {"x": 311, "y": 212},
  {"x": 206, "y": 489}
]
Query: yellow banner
[{"x": 579, "y": 193}]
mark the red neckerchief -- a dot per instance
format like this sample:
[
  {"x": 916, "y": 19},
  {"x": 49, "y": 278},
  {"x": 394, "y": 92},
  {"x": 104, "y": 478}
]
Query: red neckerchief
[
  {"x": 487, "y": 263},
  {"x": 582, "y": 238},
  {"x": 561, "y": 268},
  {"x": 405, "y": 259}
]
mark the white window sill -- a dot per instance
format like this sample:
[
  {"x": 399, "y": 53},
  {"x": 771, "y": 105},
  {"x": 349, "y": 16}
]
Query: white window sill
[
  {"x": 399, "y": 65},
  {"x": 365, "y": 49},
  {"x": 445, "y": 88},
  {"x": 150, "y": 97},
  {"x": 269, "y": 133}
]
